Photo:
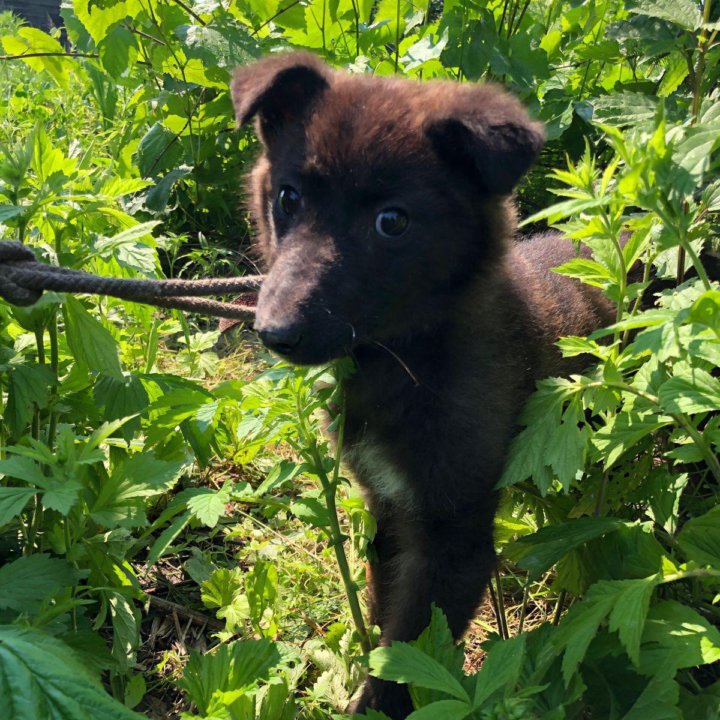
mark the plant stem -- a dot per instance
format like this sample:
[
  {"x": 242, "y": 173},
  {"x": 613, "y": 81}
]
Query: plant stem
[
  {"x": 501, "y": 602},
  {"x": 337, "y": 538},
  {"x": 496, "y": 610},
  {"x": 559, "y": 607},
  {"x": 397, "y": 34},
  {"x": 523, "y": 608}
]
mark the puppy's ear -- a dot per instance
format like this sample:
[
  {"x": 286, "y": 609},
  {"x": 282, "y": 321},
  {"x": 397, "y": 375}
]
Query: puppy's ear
[
  {"x": 489, "y": 135},
  {"x": 278, "y": 89}
]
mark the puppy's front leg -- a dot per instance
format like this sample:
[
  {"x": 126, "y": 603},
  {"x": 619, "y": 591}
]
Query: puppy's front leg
[{"x": 441, "y": 559}]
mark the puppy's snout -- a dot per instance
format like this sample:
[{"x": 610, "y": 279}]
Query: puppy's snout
[{"x": 282, "y": 340}]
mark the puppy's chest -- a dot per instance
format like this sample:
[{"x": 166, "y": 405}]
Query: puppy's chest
[{"x": 374, "y": 467}]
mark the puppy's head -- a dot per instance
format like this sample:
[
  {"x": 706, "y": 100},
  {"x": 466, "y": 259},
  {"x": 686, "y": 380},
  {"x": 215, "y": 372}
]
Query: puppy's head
[{"x": 375, "y": 199}]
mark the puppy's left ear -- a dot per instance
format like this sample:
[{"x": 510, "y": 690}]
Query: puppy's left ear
[
  {"x": 489, "y": 135},
  {"x": 278, "y": 90}
]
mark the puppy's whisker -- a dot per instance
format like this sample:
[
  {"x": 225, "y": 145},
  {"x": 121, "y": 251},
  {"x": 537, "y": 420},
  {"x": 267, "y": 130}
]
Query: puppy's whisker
[{"x": 402, "y": 363}]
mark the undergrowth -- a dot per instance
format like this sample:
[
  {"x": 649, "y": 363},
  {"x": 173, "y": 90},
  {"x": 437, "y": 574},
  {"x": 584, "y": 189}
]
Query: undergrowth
[{"x": 177, "y": 538}]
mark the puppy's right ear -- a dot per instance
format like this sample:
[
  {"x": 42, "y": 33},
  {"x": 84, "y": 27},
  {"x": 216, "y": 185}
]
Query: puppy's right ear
[{"x": 279, "y": 90}]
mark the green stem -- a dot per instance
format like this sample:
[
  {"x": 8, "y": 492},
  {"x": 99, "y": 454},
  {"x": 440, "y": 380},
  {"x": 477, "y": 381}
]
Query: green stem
[
  {"x": 397, "y": 34},
  {"x": 559, "y": 607},
  {"x": 337, "y": 538},
  {"x": 523, "y": 608}
]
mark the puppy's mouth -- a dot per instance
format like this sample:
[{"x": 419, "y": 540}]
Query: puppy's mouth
[{"x": 309, "y": 344}]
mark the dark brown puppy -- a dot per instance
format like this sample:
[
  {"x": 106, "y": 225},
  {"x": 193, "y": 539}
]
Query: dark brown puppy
[{"x": 383, "y": 218}]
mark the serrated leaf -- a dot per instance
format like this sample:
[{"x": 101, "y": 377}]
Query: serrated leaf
[
  {"x": 311, "y": 510},
  {"x": 683, "y": 13},
  {"x": 12, "y": 502},
  {"x": 695, "y": 393},
  {"x": 235, "y": 667},
  {"x": 28, "y": 388},
  {"x": 157, "y": 196},
  {"x": 27, "y": 581},
  {"x": 675, "y": 633},
  {"x": 577, "y": 630},
  {"x": 624, "y": 431},
  {"x": 126, "y": 629},
  {"x": 623, "y": 109},
  {"x": 631, "y": 599},
  {"x": 407, "y": 664},
  {"x": 44, "y": 52},
  {"x": 121, "y": 398},
  {"x": 700, "y": 538},
  {"x": 538, "y": 552},
  {"x": 43, "y": 678},
  {"x": 89, "y": 341},
  {"x": 208, "y": 506},
  {"x": 442, "y": 710},
  {"x": 501, "y": 668},
  {"x": 589, "y": 271}
]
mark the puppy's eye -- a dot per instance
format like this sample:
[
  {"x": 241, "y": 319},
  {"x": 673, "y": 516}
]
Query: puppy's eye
[
  {"x": 289, "y": 200},
  {"x": 391, "y": 223}
]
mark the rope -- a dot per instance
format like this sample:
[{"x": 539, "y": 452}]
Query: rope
[{"x": 23, "y": 280}]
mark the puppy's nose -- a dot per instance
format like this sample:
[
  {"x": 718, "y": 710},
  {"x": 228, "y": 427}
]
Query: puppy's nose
[{"x": 281, "y": 340}]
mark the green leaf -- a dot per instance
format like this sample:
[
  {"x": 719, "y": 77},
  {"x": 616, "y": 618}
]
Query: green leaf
[
  {"x": 25, "y": 469},
  {"x": 677, "y": 634},
  {"x": 700, "y": 538},
  {"x": 706, "y": 310},
  {"x": 222, "y": 586},
  {"x": 501, "y": 668},
  {"x": 41, "y": 677},
  {"x": 126, "y": 629},
  {"x": 235, "y": 667},
  {"x": 12, "y": 502},
  {"x": 208, "y": 506},
  {"x": 157, "y": 197},
  {"x": 683, "y": 13},
  {"x": 312, "y": 511},
  {"x": 166, "y": 538},
  {"x": 157, "y": 151},
  {"x": 50, "y": 54},
  {"x": 696, "y": 392},
  {"x": 623, "y": 109},
  {"x": 27, "y": 581},
  {"x": 437, "y": 642},
  {"x": 631, "y": 599},
  {"x": 589, "y": 271},
  {"x": 7, "y": 212},
  {"x": 442, "y": 710},
  {"x": 117, "y": 51},
  {"x": 98, "y": 17},
  {"x": 658, "y": 701},
  {"x": 577, "y": 630},
  {"x": 89, "y": 341},
  {"x": 407, "y": 664},
  {"x": 28, "y": 388},
  {"x": 121, "y": 398},
  {"x": 624, "y": 431},
  {"x": 429, "y": 47},
  {"x": 538, "y": 552}
]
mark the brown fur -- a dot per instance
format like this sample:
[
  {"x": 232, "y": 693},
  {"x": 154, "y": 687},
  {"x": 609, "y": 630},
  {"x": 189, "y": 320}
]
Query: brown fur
[{"x": 450, "y": 324}]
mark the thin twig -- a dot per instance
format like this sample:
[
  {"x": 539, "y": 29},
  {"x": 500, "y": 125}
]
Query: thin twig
[
  {"x": 23, "y": 56},
  {"x": 186, "y": 613}
]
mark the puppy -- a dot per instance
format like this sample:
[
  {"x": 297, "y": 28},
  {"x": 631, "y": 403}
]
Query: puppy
[{"x": 384, "y": 220}]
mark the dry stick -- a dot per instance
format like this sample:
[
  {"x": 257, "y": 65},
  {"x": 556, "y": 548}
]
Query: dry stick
[{"x": 186, "y": 613}]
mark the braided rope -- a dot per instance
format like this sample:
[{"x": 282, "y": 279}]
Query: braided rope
[{"x": 23, "y": 280}]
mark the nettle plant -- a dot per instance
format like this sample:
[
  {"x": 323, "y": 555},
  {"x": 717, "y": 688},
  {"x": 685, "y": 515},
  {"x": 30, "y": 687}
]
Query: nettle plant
[{"x": 613, "y": 481}]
